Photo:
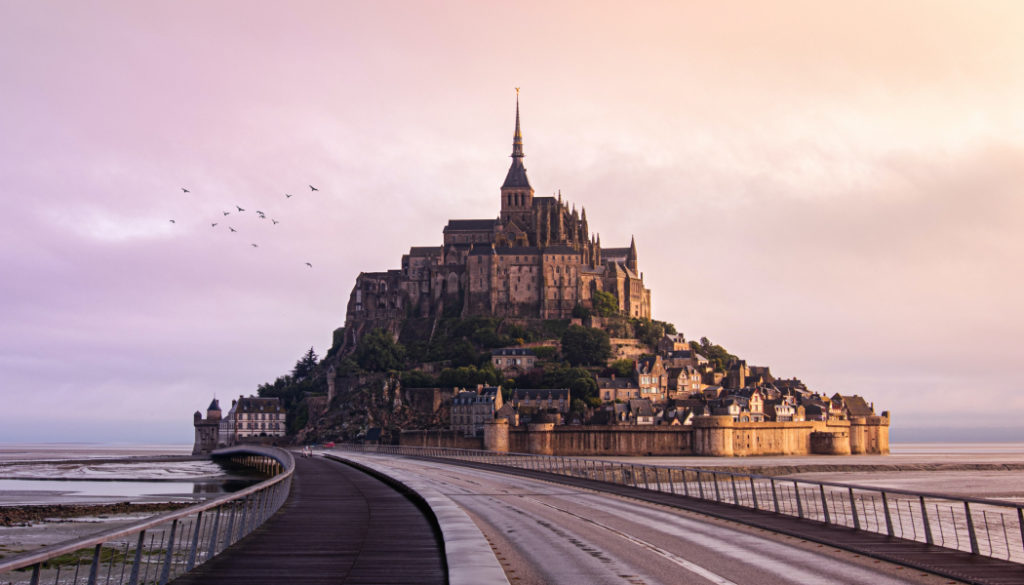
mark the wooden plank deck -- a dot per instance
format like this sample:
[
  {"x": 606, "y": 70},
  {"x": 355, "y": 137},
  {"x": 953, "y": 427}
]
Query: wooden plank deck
[
  {"x": 339, "y": 525},
  {"x": 949, "y": 563}
]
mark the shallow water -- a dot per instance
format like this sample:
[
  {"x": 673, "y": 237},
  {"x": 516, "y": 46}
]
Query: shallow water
[{"x": 93, "y": 474}]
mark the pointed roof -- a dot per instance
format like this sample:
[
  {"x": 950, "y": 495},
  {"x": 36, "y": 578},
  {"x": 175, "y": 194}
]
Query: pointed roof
[
  {"x": 214, "y": 405},
  {"x": 516, "y": 177}
]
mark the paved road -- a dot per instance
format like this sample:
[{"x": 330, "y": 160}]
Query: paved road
[{"x": 545, "y": 533}]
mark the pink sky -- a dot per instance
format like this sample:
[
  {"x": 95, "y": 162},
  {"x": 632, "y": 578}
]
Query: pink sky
[{"x": 830, "y": 189}]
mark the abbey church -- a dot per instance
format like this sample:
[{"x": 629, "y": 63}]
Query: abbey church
[{"x": 537, "y": 259}]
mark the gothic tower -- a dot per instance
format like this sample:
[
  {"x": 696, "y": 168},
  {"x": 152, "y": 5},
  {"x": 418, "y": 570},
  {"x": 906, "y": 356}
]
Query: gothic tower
[{"x": 516, "y": 192}]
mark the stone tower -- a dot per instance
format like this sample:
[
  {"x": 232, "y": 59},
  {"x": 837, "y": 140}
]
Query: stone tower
[
  {"x": 206, "y": 430},
  {"x": 516, "y": 192}
]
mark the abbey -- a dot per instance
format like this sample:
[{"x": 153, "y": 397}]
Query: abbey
[{"x": 537, "y": 259}]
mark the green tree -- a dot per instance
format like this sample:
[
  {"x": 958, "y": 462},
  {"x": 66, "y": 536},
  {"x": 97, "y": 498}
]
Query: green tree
[
  {"x": 717, "y": 355},
  {"x": 623, "y": 368},
  {"x": 305, "y": 365},
  {"x": 585, "y": 346},
  {"x": 580, "y": 312},
  {"x": 468, "y": 377},
  {"x": 605, "y": 303},
  {"x": 418, "y": 379},
  {"x": 649, "y": 332},
  {"x": 544, "y": 352},
  {"x": 378, "y": 352}
]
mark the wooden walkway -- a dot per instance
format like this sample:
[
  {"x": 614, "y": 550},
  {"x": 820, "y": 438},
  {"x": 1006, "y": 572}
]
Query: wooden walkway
[
  {"x": 949, "y": 563},
  {"x": 339, "y": 525}
]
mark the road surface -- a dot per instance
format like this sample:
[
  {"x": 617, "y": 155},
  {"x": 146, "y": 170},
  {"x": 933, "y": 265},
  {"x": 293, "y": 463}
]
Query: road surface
[{"x": 546, "y": 533}]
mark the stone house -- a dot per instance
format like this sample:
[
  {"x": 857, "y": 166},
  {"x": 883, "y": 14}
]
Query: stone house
[
  {"x": 252, "y": 417},
  {"x": 651, "y": 378},
  {"x": 641, "y": 411},
  {"x": 513, "y": 360},
  {"x": 755, "y": 403},
  {"x": 544, "y": 399},
  {"x": 683, "y": 382},
  {"x": 685, "y": 357},
  {"x": 670, "y": 343},
  {"x": 614, "y": 389},
  {"x": 851, "y": 406},
  {"x": 470, "y": 410}
]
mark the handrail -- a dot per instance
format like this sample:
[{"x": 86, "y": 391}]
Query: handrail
[
  {"x": 985, "y": 527},
  {"x": 271, "y": 494}
]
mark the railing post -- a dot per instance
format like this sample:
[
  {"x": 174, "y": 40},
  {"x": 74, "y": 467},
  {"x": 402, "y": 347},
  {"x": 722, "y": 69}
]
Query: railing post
[
  {"x": 1020, "y": 524},
  {"x": 928, "y": 525},
  {"x": 718, "y": 493},
  {"x": 245, "y": 514},
  {"x": 671, "y": 483},
  {"x": 853, "y": 510},
  {"x": 775, "y": 496},
  {"x": 700, "y": 485},
  {"x": 799, "y": 504},
  {"x": 95, "y": 568},
  {"x": 970, "y": 528},
  {"x": 753, "y": 492},
  {"x": 133, "y": 578},
  {"x": 213, "y": 534},
  {"x": 686, "y": 484},
  {"x": 888, "y": 517},
  {"x": 735, "y": 494},
  {"x": 169, "y": 557},
  {"x": 35, "y": 574},
  {"x": 195, "y": 543},
  {"x": 231, "y": 527},
  {"x": 824, "y": 504},
  {"x": 647, "y": 483}
]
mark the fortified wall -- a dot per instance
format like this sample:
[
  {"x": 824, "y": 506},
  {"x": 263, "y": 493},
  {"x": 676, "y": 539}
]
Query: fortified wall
[{"x": 714, "y": 436}]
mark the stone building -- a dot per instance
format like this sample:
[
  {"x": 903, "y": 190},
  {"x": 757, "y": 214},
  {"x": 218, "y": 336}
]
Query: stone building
[
  {"x": 513, "y": 360},
  {"x": 536, "y": 259},
  {"x": 257, "y": 417},
  {"x": 208, "y": 429},
  {"x": 250, "y": 419},
  {"x": 471, "y": 410}
]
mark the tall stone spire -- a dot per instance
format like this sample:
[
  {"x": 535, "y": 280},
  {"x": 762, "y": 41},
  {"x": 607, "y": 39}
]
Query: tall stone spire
[
  {"x": 631, "y": 260},
  {"x": 516, "y": 178},
  {"x": 517, "y": 138}
]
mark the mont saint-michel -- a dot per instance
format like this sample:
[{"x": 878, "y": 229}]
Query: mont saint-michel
[{"x": 524, "y": 333}]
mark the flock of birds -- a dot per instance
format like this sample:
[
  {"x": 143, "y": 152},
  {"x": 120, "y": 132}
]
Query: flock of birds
[{"x": 241, "y": 209}]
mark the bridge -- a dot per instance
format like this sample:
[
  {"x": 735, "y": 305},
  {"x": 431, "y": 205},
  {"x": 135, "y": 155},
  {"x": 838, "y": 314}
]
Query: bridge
[{"x": 403, "y": 515}]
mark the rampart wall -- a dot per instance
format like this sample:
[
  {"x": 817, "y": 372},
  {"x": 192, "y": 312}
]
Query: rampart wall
[
  {"x": 440, "y": 438},
  {"x": 715, "y": 436}
]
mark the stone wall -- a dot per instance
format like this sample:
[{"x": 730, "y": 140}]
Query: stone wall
[
  {"x": 592, "y": 441},
  {"x": 440, "y": 438},
  {"x": 715, "y": 436}
]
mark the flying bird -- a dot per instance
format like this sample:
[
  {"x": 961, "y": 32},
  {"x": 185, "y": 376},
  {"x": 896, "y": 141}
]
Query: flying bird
[
  {"x": 227, "y": 212},
  {"x": 287, "y": 195},
  {"x": 172, "y": 221},
  {"x": 255, "y": 246},
  {"x": 214, "y": 224},
  {"x": 313, "y": 188},
  {"x": 308, "y": 264},
  {"x": 232, "y": 229},
  {"x": 275, "y": 221},
  {"x": 261, "y": 214},
  {"x": 185, "y": 190},
  {"x": 239, "y": 208}
]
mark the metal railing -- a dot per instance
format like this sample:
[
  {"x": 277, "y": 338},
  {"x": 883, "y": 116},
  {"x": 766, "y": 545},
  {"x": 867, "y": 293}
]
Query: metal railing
[
  {"x": 990, "y": 528},
  {"x": 160, "y": 548}
]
